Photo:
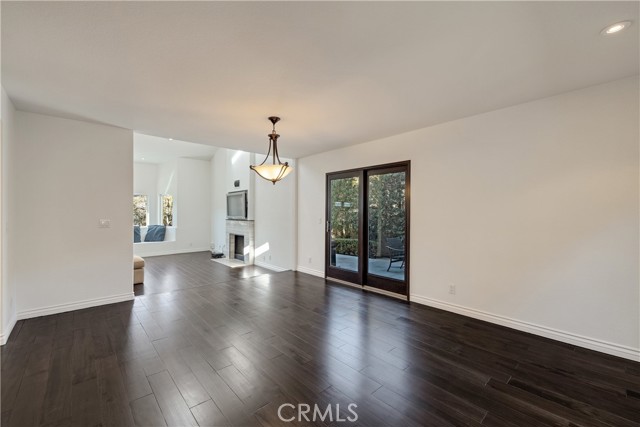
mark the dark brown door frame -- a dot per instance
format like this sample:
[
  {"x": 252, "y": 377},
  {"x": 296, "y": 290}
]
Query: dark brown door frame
[
  {"x": 362, "y": 277},
  {"x": 380, "y": 282},
  {"x": 337, "y": 273}
]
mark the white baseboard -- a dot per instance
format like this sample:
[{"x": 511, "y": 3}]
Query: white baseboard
[
  {"x": 544, "y": 331},
  {"x": 311, "y": 271},
  {"x": 4, "y": 336},
  {"x": 61, "y": 308},
  {"x": 269, "y": 266},
  {"x": 161, "y": 252}
]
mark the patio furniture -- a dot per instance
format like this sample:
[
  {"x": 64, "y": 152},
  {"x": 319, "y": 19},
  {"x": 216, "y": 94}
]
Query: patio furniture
[{"x": 395, "y": 245}]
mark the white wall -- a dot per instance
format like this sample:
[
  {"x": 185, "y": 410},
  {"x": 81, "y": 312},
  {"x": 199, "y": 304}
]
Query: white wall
[
  {"x": 193, "y": 205},
  {"x": 238, "y": 163},
  {"x": 227, "y": 166},
  {"x": 219, "y": 200},
  {"x": 168, "y": 184},
  {"x": 531, "y": 211},
  {"x": 145, "y": 181},
  {"x": 275, "y": 221},
  {"x": 66, "y": 176},
  {"x": 8, "y": 291}
]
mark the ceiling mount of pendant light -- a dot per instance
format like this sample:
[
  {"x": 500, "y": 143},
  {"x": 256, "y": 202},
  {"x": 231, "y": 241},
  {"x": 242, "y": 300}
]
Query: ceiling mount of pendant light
[{"x": 276, "y": 170}]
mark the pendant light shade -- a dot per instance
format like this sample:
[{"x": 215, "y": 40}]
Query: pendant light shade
[
  {"x": 273, "y": 173},
  {"x": 276, "y": 170}
]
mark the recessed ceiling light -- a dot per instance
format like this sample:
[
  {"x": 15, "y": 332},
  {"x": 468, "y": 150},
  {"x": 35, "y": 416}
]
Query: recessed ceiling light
[
  {"x": 615, "y": 28},
  {"x": 170, "y": 139}
]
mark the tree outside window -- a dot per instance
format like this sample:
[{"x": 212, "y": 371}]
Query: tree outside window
[
  {"x": 166, "y": 209},
  {"x": 140, "y": 210},
  {"x": 344, "y": 215},
  {"x": 386, "y": 214}
]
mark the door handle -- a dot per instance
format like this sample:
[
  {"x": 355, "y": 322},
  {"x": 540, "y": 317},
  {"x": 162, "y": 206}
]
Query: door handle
[{"x": 328, "y": 227}]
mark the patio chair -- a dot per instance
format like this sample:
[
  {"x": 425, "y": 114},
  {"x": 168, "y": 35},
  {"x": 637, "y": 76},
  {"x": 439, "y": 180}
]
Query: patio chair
[{"x": 395, "y": 245}]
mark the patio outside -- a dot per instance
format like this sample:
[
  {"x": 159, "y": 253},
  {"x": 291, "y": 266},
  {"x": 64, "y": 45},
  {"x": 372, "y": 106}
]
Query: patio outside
[
  {"x": 377, "y": 266},
  {"x": 385, "y": 224}
]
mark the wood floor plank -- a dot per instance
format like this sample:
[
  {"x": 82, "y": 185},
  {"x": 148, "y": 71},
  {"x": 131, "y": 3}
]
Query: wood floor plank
[
  {"x": 174, "y": 409},
  {"x": 14, "y": 362},
  {"x": 566, "y": 406},
  {"x": 222, "y": 395},
  {"x": 510, "y": 396},
  {"x": 113, "y": 394},
  {"x": 135, "y": 379},
  {"x": 85, "y": 404},
  {"x": 610, "y": 400},
  {"x": 146, "y": 412},
  {"x": 237, "y": 382},
  {"x": 27, "y": 409},
  {"x": 191, "y": 389},
  {"x": 40, "y": 355},
  {"x": 418, "y": 413},
  {"x": 57, "y": 400},
  {"x": 83, "y": 356},
  {"x": 344, "y": 378},
  {"x": 426, "y": 392},
  {"x": 207, "y": 414},
  {"x": 203, "y": 344}
]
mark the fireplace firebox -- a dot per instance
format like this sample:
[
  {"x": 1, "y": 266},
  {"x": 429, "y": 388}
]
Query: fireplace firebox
[{"x": 239, "y": 247}]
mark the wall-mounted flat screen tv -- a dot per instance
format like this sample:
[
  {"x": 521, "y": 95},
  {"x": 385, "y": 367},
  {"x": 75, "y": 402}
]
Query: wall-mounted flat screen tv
[{"x": 237, "y": 205}]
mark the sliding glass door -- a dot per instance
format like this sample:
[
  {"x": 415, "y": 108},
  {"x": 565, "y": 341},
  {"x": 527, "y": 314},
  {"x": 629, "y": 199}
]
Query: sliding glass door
[{"x": 367, "y": 238}]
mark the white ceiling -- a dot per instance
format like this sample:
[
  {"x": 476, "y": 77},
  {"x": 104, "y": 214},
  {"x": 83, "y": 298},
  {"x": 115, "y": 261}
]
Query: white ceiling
[
  {"x": 337, "y": 73},
  {"x": 154, "y": 149}
]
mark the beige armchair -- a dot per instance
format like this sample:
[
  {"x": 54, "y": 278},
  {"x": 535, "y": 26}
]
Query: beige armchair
[{"x": 138, "y": 270}]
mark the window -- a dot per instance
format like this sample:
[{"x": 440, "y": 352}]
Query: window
[
  {"x": 140, "y": 210},
  {"x": 166, "y": 210}
]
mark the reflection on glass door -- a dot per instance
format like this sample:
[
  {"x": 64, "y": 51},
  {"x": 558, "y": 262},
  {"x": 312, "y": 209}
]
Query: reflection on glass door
[
  {"x": 343, "y": 227},
  {"x": 387, "y": 228}
]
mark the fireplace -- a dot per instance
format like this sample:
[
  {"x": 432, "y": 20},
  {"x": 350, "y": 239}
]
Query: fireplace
[
  {"x": 238, "y": 251},
  {"x": 240, "y": 241}
]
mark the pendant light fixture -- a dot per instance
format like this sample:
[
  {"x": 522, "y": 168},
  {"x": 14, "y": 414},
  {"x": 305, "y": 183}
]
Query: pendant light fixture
[{"x": 276, "y": 170}]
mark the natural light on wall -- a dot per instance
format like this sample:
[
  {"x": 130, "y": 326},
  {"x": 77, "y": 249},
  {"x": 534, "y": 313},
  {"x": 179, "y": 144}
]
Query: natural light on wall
[
  {"x": 262, "y": 249},
  {"x": 236, "y": 156}
]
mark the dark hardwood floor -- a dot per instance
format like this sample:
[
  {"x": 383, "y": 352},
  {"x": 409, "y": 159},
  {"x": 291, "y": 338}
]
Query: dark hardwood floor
[{"x": 206, "y": 345}]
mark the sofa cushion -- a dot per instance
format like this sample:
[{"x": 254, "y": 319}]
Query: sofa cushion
[
  {"x": 138, "y": 262},
  {"x": 136, "y": 234},
  {"x": 155, "y": 233}
]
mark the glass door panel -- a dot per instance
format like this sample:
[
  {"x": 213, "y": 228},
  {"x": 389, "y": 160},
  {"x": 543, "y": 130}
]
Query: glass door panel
[
  {"x": 387, "y": 229},
  {"x": 343, "y": 227}
]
